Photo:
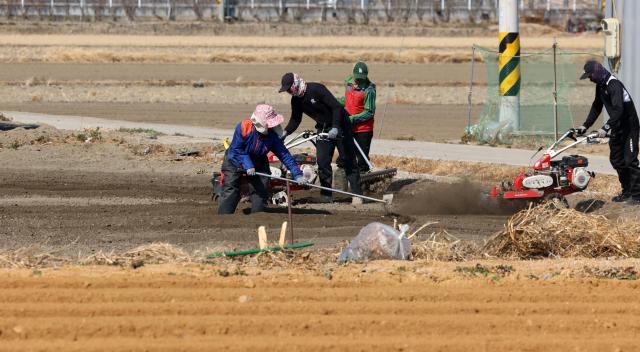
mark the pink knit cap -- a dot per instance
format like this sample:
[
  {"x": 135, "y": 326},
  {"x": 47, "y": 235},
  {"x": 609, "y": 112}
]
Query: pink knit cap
[{"x": 266, "y": 116}]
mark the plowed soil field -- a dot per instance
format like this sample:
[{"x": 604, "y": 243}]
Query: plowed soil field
[{"x": 358, "y": 308}]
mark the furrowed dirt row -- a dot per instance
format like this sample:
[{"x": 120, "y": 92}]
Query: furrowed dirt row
[{"x": 82, "y": 309}]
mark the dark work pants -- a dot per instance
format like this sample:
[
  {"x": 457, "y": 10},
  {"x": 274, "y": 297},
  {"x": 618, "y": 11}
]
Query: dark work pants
[
  {"x": 364, "y": 141},
  {"x": 623, "y": 155},
  {"x": 347, "y": 160},
  {"x": 230, "y": 192}
]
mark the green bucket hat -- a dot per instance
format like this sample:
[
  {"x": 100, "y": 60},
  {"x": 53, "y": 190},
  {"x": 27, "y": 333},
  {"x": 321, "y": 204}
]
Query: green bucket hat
[{"x": 360, "y": 70}]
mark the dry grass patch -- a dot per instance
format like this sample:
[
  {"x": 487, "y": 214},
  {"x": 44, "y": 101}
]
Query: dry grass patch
[
  {"x": 230, "y": 56},
  {"x": 479, "y": 171},
  {"x": 31, "y": 257},
  {"x": 36, "y": 257},
  {"x": 545, "y": 232},
  {"x": 442, "y": 246},
  {"x": 369, "y": 42},
  {"x": 154, "y": 253},
  {"x": 252, "y": 49}
]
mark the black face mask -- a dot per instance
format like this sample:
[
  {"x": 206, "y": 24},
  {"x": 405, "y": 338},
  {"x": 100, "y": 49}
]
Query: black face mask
[{"x": 600, "y": 76}]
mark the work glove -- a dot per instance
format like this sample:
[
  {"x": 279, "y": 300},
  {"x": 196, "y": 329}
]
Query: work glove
[
  {"x": 333, "y": 133},
  {"x": 602, "y": 133},
  {"x": 301, "y": 180},
  {"x": 580, "y": 131},
  {"x": 251, "y": 172}
]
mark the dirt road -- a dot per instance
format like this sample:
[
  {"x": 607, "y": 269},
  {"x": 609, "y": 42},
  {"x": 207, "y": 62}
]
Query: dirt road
[
  {"x": 400, "y": 121},
  {"x": 422, "y": 306}
]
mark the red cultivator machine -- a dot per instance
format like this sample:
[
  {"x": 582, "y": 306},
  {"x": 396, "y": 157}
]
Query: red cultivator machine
[
  {"x": 550, "y": 179},
  {"x": 307, "y": 164}
]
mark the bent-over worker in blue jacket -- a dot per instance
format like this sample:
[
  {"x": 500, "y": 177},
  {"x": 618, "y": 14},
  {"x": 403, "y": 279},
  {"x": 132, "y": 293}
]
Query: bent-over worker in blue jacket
[{"x": 252, "y": 140}]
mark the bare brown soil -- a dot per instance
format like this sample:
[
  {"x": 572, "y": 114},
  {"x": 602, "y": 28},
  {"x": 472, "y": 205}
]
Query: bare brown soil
[
  {"x": 80, "y": 198},
  {"x": 539, "y": 306}
]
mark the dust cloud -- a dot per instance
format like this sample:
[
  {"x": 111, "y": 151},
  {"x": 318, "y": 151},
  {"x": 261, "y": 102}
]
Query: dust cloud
[{"x": 458, "y": 198}]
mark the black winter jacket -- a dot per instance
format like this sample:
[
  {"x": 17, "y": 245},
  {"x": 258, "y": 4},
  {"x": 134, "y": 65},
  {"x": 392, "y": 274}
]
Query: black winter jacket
[
  {"x": 319, "y": 104},
  {"x": 622, "y": 112}
]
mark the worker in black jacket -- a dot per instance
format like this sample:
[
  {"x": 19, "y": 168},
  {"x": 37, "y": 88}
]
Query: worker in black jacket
[
  {"x": 622, "y": 128},
  {"x": 315, "y": 100}
]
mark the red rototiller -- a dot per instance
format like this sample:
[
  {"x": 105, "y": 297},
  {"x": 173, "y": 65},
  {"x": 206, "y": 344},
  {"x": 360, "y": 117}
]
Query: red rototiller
[{"x": 550, "y": 179}]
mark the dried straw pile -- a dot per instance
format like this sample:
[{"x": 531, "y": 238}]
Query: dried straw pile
[
  {"x": 30, "y": 257},
  {"x": 443, "y": 247},
  {"x": 154, "y": 253},
  {"x": 543, "y": 232}
]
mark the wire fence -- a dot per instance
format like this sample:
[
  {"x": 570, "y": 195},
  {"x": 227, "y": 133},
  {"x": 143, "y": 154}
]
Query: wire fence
[
  {"x": 361, "y": 11},
  {"x": 548, "y": 98}
]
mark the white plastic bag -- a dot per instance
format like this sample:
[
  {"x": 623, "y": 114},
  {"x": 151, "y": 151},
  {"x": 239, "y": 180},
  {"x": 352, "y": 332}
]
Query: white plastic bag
[{"x": 378, "y": 241}]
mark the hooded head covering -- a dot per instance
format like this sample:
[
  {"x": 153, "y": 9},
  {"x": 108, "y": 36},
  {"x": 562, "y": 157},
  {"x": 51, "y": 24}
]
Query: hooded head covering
[
  {"x": 595, "y": 72},
  {"x": 265, "y": 117}
]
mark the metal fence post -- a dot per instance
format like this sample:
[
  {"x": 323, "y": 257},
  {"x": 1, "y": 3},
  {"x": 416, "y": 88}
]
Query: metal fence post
[
  {"x": 555, "y": 90},
  {"x": 473, "y": 63}
]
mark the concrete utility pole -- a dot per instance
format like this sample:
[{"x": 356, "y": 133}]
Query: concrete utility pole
[
  {"x": 509, "y": 64},
  {"x": 630, "y": 47},
  {"x": 627, "y": 13},
  {"x": 220, "y": 9}
]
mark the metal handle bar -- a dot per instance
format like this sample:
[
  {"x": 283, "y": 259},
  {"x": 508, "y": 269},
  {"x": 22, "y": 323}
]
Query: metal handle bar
[
  {"x": 321, "y": 187},
  {"x": 308, "y": 136},
  {"x": 552, "y": 153}
]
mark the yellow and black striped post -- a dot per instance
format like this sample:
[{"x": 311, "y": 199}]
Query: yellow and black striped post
[{"x": 509, "y": 64}]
